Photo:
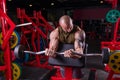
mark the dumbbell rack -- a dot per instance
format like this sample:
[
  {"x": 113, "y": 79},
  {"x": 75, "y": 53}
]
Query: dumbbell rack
[
  {"x": 6, "y": 33},
  {"x": 36, "y": 33}
]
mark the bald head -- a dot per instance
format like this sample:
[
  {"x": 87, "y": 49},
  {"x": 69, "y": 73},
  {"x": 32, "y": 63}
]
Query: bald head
[
  {"x": 65, "y": 19},
  {"x": 66, "y": 23}
]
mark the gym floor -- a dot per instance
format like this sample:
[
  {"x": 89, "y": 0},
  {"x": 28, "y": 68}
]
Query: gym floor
[{"x": 33, "y": 73}]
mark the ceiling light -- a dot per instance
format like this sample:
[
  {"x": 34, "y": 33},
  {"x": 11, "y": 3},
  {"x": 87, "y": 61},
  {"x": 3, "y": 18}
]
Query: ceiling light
[
  {"x": 101, "y": 2},
  {"x": 52, "y": 4},
  {"x": 30, "y": 5}
]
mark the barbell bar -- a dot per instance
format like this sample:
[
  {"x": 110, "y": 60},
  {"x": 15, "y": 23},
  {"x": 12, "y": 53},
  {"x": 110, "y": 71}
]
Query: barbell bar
[
  {"x": 20, "y": 53},
  {"x": 24, "y": 24},
  {"x": 42, "y": 52}
]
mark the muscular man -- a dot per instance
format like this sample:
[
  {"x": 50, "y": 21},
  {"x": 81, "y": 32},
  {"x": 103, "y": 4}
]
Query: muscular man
[{"x": 68, "y": 33}]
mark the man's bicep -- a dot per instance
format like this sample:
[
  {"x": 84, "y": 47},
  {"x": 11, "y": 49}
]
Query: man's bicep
[
  {"x": 83, "y": 35},
  {"x": 80, "y": 35},
  {"x": 78, "y": 44},
  {"x": 80, "y": 40},
  {"x": 53, "y": 40}
]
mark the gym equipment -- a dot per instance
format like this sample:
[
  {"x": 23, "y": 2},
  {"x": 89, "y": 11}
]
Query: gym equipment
[
  {"x": 112, "y": 15},
  {"x": 1, "y": 57},
  {"x": 12, "y": 55},
  {"x": 35, "y": 32},
  {"x": 60, "y": 60},
  {"x": 69, "y": 64},
  {"x": 7, "y": 26},
  {"x": 114, "y": 64},
  {"x": 20, "y": 53},
  {"x": 114, "y": 46},
  {"x": 20, "y": 49},
  {"x": 14, "y": 40},
  {"x": 114, "y": 61},
  {"x": 24, "y": 24},
  {"x": 17, "y": 71}
]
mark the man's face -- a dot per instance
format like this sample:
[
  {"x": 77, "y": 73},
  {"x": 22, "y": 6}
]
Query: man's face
[{"x": 67, "y": 26}]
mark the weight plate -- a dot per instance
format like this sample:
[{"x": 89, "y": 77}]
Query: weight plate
[
  {"x": 26, "y": 57},
  {"x": 114, "y": 61},
  {"x": 20, "y": 54},
  {"x": 14, "y": 39},
  {"x": 112, "y": 15},
  {"x": 106, "y": 55},
  {"x": 16, "y": 68},
  {"x": 19, "y": 51}
]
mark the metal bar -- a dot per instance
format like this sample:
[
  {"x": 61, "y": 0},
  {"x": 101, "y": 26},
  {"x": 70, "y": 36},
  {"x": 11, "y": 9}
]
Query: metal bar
[
  {"x": 24, "y": 24},
  {"x": 39, "y": 31},
  {"x": 42, "y": 52},
  {"x": 92, "y": 55},
  {"x": 9, "y": 32},
  {"x": 2, "y": 68},
  {"x": 6, "y": 33},
  {"x": 30, "y": 52}
]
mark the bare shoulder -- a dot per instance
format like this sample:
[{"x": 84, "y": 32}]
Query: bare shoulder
[
  {"x": 80, "y": 33},
  {"x": 54, "y": 33}
]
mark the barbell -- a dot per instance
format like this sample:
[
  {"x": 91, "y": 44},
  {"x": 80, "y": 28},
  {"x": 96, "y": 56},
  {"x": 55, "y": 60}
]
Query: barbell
[
  {"x": 24, "y": 24},
  {"x": 21, "y": 53}
]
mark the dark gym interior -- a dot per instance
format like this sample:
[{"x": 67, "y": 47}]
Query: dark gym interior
[{"x": 30, "y": 22}]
